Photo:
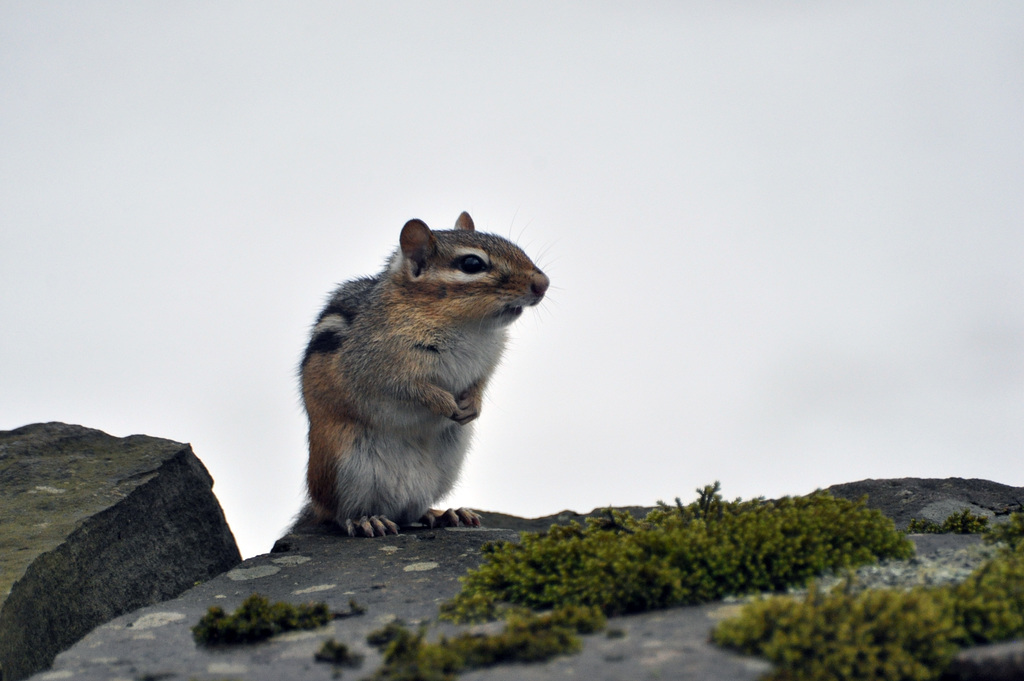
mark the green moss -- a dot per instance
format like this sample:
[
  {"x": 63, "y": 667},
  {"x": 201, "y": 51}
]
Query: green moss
[
  {"x": 879, "y": 635},
  {"x": 380, "y": 638},
  {"x": 257, "y": 619},
  {"x": 1010, "y": 533},
  {"x": 962, "y": 522},
  {"x": 885, "y": 634},
  {"x": 338, "y": 654},
  {"x": 990, "y": 603},
  {"x": 677, "y": 555},
  {"x": 526, "y": 637},
  {"x": 923, "y": 527}
]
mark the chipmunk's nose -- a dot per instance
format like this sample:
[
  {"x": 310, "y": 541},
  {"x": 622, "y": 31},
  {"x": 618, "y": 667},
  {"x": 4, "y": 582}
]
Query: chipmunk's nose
[{"x": 539, "y": 284}]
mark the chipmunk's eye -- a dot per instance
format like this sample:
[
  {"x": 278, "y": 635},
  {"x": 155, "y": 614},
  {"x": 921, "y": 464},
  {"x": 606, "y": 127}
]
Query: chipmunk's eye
[{"x": 471, "y": 264}]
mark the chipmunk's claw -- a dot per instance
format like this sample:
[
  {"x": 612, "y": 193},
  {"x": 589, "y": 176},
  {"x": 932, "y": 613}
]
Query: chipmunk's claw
[
  {"x": 468, "y": 518},
  {"x": 370, "y": 526},
  {"x": 435, "y": 518}
]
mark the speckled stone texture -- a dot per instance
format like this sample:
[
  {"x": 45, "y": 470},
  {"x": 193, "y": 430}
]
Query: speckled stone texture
[
  {"x": 395, "y": 577},
  {"x": 94, "y": 526},
  {"x": 409, "y": 575},
  {"x": 406, "y": 577}
]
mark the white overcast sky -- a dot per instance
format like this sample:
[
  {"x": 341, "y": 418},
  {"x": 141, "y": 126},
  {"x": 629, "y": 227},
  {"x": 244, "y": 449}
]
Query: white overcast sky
[{"x": 786, "y": 239}]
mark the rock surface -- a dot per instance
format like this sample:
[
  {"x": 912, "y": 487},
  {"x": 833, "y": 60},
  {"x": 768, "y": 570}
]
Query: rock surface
[
  {"x": 996, "y": 662},
  {"x": 95, "y": 526},
  {"x": 900, "y": 499},
  {"x": 933, "y": 499},
  {"x": 407, "y": 576},
  {"x": 511, "y": 522}
]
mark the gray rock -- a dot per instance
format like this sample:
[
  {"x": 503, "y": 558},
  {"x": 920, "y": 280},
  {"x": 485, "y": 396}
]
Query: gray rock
[
  {"x": 933, "y": 499},
  {"x": 396, "y": 577},
  {"x": 666, "y": 644},
  {"x": 997, "y": 662},
  {"x": 95, "y": 526},
  {"x": 511, "y": 522},
  {"x": 407, "y": 576}
]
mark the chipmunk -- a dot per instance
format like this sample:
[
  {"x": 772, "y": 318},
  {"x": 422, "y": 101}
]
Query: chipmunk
[{"x": 395, "y": 371}]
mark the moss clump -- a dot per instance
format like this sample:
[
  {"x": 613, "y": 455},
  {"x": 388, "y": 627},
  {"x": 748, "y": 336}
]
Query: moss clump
[
  {"x": 961, "y": 522},
  {"x": 1010, "y": 533},
  {"x": 678, "y": 555},
  {"x": 257, "y": 619},
  {"x": 527, "y": 637},
  {"x": 337, "y": 654},
  {"x": 380, "y": 638},
  {"x": 885, "y": 634},
  {"x": 990, "y": 603},
  {"x": 879, "y": 635}
]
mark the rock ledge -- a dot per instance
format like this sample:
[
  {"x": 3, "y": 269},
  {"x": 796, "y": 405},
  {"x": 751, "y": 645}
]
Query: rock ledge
[{"x": 96, "y": 526}]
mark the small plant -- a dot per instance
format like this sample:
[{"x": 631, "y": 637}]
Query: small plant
[
  {"x": 337, "y": 654},
  {"x": 527, "y": 637},
  {"x": 923, "y": 527},
  {"x": 708, "y": 505},
  {"x": 1010, "y": 533},
  {"x": 380, "y": 638},
  {"x": 257, "y": 619},
  {"x": 677, "y": 555},
  {"x": 961, "y": 522}
]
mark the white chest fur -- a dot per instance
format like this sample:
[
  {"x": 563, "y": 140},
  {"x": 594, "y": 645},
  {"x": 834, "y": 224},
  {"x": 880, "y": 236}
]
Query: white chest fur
[{"x": 469, "y": 356}]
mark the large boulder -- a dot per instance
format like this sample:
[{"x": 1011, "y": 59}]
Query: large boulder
[{"x": 94, "y": 526}]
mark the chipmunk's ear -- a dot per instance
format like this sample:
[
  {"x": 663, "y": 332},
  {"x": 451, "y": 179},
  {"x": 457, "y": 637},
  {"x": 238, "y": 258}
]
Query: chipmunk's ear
[
  {"x": 417, "y": 242},
  {"x": 465, "y": 222}
]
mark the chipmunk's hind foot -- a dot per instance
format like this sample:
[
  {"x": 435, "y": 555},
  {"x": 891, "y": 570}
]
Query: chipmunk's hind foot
[
  {"x": 435, "y": 518},
  {"x": 370, "y": 526}
]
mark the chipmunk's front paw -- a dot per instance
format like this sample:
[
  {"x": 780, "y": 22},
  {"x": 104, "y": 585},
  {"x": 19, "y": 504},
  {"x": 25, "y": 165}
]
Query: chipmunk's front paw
[
  {"x": 435, "y": 518},
  {"x": 370, "y": 526},
  {"x": 467, "y": 408}
]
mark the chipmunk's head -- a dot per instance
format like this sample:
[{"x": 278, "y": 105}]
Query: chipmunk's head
[{"x": 462, "y": 274}]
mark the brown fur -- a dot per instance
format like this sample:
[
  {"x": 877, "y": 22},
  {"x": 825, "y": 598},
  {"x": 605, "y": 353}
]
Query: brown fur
[{"x": 400, "y": 357}]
